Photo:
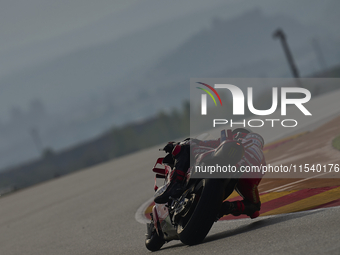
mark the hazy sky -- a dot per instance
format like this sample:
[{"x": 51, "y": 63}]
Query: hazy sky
[
  {"x": 29, "y": 21},
  {"x": 24, "y": 23},
  {"x": 33, "y": 31}
]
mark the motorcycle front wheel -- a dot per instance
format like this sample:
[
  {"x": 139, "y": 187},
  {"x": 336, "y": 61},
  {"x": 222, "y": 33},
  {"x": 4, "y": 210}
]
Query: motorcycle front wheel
[{"x": 153, "y": 241}]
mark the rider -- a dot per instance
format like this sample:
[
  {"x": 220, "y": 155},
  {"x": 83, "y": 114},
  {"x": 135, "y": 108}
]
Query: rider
[{"x": 246, "y": 186}]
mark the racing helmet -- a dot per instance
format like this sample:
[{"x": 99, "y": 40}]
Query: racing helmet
[{"x": 240, "y": 133}]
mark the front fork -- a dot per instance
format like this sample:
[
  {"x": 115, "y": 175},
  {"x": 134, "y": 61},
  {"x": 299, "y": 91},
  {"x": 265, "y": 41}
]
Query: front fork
[{"x": 149, "y": 229}]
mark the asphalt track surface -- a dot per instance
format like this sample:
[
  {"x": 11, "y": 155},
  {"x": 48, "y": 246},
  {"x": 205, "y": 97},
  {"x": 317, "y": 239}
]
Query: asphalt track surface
[{"x": 93, "y": 212}]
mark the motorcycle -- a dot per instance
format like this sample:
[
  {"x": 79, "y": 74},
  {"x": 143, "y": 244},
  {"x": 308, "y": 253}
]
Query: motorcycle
[{"x": 190, "y": 217}]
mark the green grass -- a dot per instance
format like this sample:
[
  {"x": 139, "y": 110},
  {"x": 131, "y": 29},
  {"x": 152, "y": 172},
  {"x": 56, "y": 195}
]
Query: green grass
[{"x": 336, "y": 143}]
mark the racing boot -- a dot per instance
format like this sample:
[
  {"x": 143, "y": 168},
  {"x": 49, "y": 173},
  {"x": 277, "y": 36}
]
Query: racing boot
[
  {"x": 240, "y": 207},
  {"x": 174, "y": 190},
  {"x": 226, "y": 208}
]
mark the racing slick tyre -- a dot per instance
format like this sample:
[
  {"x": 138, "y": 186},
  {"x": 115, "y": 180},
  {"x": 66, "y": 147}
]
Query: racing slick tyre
[{"x": 194, "y": 226}]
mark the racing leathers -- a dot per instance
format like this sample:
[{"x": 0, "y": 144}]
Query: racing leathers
[{"x": 246, "y": 185}]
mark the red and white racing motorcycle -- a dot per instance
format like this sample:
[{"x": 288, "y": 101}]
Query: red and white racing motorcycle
[{"x": 190, "y": 217}]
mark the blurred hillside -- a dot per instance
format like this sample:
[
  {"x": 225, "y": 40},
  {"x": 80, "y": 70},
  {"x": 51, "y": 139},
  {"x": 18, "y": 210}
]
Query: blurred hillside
[
  {"x": 123, "y": 140},
  {"x": 114, "y": 143}
]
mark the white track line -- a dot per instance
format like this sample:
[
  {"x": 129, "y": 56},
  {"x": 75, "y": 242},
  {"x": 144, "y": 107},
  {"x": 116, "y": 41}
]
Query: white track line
[
  {"x": 292, "y": 183},
  {"x": 139, "y": 215}
]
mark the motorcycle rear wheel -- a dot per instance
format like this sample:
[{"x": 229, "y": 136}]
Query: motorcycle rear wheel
[{"x": 195, "y": 225}]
